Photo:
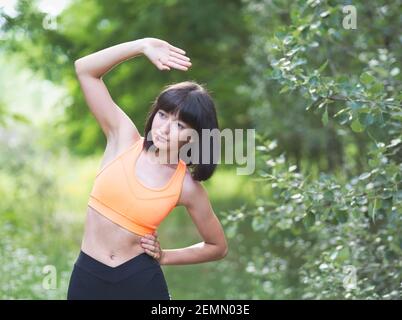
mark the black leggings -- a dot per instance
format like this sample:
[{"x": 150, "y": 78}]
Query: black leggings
[{"x": 140, "y": 278}]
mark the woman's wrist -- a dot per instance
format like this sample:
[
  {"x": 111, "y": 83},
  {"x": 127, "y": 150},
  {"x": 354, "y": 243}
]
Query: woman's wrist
[
  {"x": 141, "y": 44},
  {"x": 145, "y": 45},
  {"x": 138, "y": 46},
  {"x": 162, "y": 257}
]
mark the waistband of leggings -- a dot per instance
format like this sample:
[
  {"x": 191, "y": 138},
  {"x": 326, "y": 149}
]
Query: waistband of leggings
[{"x": 134, "y": 265}]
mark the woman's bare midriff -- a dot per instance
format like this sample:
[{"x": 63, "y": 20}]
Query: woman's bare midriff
[{"x": 108, "y": 242}]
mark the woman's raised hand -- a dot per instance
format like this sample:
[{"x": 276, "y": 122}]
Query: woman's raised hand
[{"x": 165, "y": 56}]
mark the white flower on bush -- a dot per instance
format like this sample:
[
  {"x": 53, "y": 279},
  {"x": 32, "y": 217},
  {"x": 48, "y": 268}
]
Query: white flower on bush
[{"x": 349, "y": 280}]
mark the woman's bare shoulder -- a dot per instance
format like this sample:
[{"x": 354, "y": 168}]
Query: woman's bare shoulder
[{"x": 189, "y": 190}]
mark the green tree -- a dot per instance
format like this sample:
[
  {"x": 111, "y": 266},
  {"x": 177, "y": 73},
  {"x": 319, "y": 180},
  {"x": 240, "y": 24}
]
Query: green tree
[
  {"x": 212, "y": 33},
  {"x": 332, "y": 228}
]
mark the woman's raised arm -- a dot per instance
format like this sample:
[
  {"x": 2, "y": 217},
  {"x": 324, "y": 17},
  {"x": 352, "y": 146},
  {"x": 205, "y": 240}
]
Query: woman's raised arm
[
  {"x": 98, "y": 63},
  {"x": 90, "y": 69}
]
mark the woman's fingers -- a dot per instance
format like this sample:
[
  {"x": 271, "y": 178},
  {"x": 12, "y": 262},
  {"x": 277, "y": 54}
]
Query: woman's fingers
[
  {"x": 152, "y": 250},
  {"x": 161, "y": 66},
  {"x": 170, "y": 61},
  {"x": 180, "y": 62},
  {"x": 179, "y": 56},
  {"x": 149, "y": 239},
  {"x": 149, "y": 246},
  {"x": 173, "y": 64},
  {"x": 151, "y": 242},
  {"x": 149, "y": 236},
  {"x": 154, "y": 255},
  {"x": 177, "y": 49}
]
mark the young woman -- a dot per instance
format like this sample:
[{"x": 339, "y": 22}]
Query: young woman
[{"x": 135, "y": 188}]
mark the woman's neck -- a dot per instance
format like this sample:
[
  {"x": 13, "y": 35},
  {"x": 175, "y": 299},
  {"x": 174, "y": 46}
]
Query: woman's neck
[{"x": 162, "y": 157}]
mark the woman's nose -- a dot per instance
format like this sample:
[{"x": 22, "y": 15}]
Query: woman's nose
[{"x": 165, "y": 128}]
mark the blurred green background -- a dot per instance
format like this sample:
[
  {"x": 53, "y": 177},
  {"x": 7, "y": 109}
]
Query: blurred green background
[{"x": 321, "y": 216}]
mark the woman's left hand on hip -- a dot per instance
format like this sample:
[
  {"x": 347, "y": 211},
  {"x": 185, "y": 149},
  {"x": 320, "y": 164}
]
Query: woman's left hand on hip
[{"x": 151, "y": 246}]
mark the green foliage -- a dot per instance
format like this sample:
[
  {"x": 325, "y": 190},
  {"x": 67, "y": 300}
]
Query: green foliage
[
  {"x": 213, "y": 42},
  {"x": 32, "y": 237},
  {"x": 333, "y": 234},
  {"x": 325, "y": 219}
]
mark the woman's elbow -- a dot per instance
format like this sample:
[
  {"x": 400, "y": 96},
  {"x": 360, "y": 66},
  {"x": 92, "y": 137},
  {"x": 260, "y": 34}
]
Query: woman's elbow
[
  {"x": 224, "y": 252},
  {"x": 79, "y": 66}
]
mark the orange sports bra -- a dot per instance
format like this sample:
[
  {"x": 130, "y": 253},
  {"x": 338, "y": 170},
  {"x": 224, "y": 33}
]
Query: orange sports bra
[{"x": 120, "y": 196}]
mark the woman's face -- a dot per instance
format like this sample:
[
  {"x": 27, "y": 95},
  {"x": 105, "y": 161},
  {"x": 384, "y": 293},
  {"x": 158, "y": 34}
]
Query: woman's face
[{"x": 168, "y": 131}]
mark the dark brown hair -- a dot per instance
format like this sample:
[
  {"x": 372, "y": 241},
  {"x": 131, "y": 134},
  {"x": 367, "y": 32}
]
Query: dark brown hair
[{"x": 192, "y": 104}]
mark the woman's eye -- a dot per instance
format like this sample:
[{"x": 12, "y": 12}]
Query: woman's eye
[
  {"x": 161, "y": 114},
  {"x": 181, "y": 126}
]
